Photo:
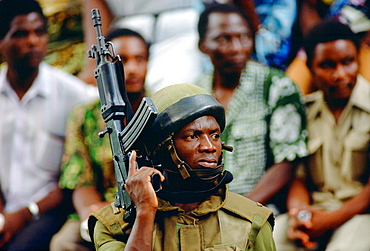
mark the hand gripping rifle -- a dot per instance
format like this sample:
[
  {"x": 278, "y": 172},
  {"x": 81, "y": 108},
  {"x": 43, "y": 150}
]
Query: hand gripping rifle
[{"x": 117, "y": 112}]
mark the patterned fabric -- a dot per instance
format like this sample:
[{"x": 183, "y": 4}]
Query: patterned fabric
[
  {"x": 87, "y": 160},
  {"x": 330, "y": 8},
  {"x": 265, "y": 123},
  {"x": 66, "y": 48},
  {"x": 273, "y": 40}
]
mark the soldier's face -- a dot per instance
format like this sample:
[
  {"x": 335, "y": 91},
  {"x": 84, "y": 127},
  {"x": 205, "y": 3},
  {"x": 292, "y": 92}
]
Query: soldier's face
[{"x": 199, "y": 143}]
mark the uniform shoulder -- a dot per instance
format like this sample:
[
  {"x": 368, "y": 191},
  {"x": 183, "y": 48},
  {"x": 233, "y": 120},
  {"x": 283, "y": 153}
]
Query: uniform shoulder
[
  {"x": 313, "y": 97},
  {"x": 248, "y": 209},
  {"x": 111, "y": 217}
]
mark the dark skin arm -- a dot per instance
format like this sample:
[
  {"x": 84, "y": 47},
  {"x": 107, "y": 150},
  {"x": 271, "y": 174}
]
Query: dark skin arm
[
  {"x": 142, "y": 194},
  {"x": 273, "y": 180},
  {"x": 323, "y": 221},
  {"x": 87, "y": 200},
  {"x": 15, "y": 221},
  {"x": 298, "y": 199}
]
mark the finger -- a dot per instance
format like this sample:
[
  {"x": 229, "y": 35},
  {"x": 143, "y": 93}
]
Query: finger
[
  {"x": 299, "y": 237},
  {"x": 132, "y": 164},
  {"x": 294, "y": 234},
  {"x": 150, "y": 172},
  {"x": 294, "y": 222},
  {"x": 160, "y": 175},
  {"x": 308, "y": 224},
  {"x": 156, "y": 179},
  {"x": 293, "y": 212},
  {"x": 308, "y": 244}
]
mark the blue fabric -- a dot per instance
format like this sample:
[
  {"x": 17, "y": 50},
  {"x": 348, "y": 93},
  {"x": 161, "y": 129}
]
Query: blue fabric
[
  {"x": 336, "y": 6},
  {"x": 274, "y": 39}
]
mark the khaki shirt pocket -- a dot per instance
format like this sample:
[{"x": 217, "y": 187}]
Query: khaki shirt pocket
[
  {"x": 355, "y": 156},
  {"x": 315, "y": 161}
]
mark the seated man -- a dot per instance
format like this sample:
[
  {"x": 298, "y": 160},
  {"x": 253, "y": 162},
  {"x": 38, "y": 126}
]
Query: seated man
[
  {"x": 193, "y": 210},
  {"x": 265, "y": 119},
  {"x": 35, "y": 101},
  {"x": 329, "y": 200}
]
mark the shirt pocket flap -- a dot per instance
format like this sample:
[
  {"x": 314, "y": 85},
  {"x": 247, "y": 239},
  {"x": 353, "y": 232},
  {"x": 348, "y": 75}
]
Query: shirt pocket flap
[
  {"x": 314, "y": 145},
  {"x": 357, "y": 141}
]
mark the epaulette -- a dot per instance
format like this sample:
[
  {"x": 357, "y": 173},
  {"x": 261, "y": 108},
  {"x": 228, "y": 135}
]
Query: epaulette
[
  {"x": 111, "y": 217},
  {"x": 248, "y": 209}
]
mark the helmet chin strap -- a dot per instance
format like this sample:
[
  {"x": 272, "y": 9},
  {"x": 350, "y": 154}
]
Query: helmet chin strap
[
  {"x": 205, "y": 180},
  {"x": 182, "y": 196},
  {"x": 181, "y": 165},
  {"x": 185, "y": 170}
]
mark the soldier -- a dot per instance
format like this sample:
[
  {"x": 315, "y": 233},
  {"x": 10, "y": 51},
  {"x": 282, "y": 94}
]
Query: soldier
[{"x": 193, "y": 210}]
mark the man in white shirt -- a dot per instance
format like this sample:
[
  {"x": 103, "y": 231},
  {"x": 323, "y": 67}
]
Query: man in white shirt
[{"x": 35, "y": 101}]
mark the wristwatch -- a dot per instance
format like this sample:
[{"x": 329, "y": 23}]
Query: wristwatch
[{"x": 34, "y": 209}]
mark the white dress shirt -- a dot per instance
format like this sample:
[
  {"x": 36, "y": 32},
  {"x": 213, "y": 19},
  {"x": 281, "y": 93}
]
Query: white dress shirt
[{"x": 32, "y": 133}]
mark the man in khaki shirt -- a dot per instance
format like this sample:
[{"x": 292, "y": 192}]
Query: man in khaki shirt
[{"x": 329, "y": 199}]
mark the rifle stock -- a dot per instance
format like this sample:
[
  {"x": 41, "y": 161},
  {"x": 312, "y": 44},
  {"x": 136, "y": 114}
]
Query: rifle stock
[{"x": 126, "y": 131}]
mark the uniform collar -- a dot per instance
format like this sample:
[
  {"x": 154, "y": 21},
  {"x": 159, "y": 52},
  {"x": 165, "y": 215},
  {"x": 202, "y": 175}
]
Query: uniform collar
[
  {"x": 361, "y": 94},
  {"x": 212, "y": 204},
  {"x": 359, "y": 98}
]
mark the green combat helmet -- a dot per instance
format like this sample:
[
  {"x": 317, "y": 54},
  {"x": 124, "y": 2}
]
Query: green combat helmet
[{"x": 178, "y": 105}]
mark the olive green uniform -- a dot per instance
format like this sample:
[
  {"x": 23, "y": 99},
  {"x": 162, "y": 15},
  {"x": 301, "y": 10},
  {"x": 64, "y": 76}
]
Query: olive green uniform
[{"x": 225, "y": 221}]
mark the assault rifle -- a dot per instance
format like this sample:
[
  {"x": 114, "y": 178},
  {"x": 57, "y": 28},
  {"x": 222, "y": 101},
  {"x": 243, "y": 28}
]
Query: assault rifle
[{"x": 126, "y": 131}]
